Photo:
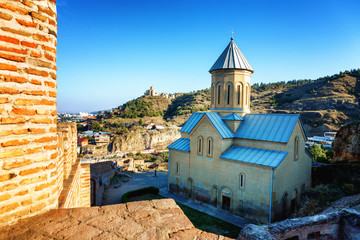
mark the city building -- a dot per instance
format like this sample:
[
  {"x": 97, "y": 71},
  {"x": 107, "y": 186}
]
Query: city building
[{"x": 253, "y": 165}]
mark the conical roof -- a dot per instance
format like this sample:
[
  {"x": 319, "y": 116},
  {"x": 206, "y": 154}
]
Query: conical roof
[{"x": 231, "y": 58}]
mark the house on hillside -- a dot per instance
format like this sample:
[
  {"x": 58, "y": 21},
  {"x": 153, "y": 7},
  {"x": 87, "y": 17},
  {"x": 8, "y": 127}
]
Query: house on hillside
[{"x": 252, "y": 165}]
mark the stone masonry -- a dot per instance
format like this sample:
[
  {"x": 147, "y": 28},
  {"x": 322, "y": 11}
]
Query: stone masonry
[{"x": 156, "y": 219}]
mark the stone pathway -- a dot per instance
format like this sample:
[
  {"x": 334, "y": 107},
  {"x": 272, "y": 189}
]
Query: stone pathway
[{"x": 223, "y": 215}]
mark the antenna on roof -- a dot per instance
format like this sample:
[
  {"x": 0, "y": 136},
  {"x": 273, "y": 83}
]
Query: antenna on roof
[{"x": 232, "y": 34}]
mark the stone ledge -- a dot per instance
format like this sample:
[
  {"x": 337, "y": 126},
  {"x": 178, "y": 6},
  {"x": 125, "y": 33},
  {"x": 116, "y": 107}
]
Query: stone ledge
[{"x": 156, "y": 219}]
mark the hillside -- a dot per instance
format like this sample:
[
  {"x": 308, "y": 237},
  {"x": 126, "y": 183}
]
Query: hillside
[{"x": 325, "y": 104}]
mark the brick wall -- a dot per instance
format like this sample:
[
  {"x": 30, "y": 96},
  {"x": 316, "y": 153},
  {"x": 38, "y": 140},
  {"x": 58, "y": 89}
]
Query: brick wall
[
  {"x": 28, "y": 133},
  {"x": 37, "y": 156}
]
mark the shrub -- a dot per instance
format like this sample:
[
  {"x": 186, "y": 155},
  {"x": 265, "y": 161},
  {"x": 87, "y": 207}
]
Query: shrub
[{"x": 139, "y": 192}]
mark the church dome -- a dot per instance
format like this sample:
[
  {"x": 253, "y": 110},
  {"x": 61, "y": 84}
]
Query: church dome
[{"x": 231, "y": 58}]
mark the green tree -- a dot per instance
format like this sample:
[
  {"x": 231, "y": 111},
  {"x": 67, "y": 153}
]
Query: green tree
[
  {"x": 95, "y": 126},
  {"x": 319, "y": 154}
]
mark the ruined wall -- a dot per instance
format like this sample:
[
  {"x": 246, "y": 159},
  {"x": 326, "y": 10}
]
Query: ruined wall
[
  {"x": 346, "y": 144},
  {"x": 28, "y": 138},
  {"x": 69, "y": 132}
]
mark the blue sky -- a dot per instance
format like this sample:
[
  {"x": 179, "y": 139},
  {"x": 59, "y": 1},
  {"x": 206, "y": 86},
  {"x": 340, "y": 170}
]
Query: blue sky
[{"x": 111, "y": 51}]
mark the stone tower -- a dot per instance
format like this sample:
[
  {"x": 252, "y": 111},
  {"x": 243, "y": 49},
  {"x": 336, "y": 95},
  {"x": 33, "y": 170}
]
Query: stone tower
[{"x": 230, "y": 84}]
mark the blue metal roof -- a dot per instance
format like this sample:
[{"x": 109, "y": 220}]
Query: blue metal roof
[
  {"x": 191, "y": 122},
  {"x": 232, "y": 116},
  {"x": 219, "y": 124},
  {"x": 182, "y": 144},
  {"x": 257, "y": 156},
  {"x": 215, "y": 119},
  {"x": 231, "y": 58},
  {"x": 267, "y": 127}
]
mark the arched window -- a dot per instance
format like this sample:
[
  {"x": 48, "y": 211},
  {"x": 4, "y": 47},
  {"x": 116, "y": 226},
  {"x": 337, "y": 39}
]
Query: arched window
[
  {"x": 241, "y": 180},
  {"x": 209, "y": 146},
  {"x": 238, "y": 94},
  {"x": 228, "y": 93},
  {"x": 200, "y": 145},
  {"x": 296, "y": 148},
  {"x": 219, "y": 94},
  {"x": 177, "y": 168},
  {"x": 284, "y": 203}
]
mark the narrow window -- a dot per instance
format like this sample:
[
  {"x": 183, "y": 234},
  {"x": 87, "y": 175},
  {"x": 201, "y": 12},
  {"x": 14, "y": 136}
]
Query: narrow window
[
  {"x": 209, "y": 146},
  {"x": 238, "y": 94},
  {"x": 247, "y": 96},
  {"x": 228, "y": 94},
  {"x": 212, "y": 95},
  {"x": 177, "y": 168},
  {"x": 219, "y": 97},
  {"x": 200, "y": 143},
  {"x": 296, "y": 149},
  {"x": 241, "y": 180}
]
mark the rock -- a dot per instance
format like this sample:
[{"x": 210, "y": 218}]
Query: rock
[{"x": 346, "y": 144}]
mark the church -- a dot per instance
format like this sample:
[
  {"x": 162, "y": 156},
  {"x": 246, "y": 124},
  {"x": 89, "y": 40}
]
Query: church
[{"x": 252, "y": 165}]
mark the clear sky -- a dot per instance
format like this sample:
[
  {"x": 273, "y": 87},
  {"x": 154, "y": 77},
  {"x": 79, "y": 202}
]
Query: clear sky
[{"x": 111, "y": 51}]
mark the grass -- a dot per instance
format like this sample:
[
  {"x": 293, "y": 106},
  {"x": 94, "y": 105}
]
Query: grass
[{"x": 200, "y": 220}]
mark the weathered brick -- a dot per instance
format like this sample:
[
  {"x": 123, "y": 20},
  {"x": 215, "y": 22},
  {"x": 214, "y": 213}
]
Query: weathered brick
[
  {"x": 16, "y": 31},
  {"x": 15, "y": 50},
  {"x": 45, "y": 185},
  {"x": 9, "y": 207},
  {"x": 40, "y": 63},
  {"x": 33, "y": 180},
  {"x": 15, "y": 142},
  {"x": 49, "y": 49},
  {"x": 6, "y": 90},
  {"x": 37, "y": 130},
  {"x": 35, "y": 93},
  {"x": 27, "y": 102},
  {"x": 54, "y": 155},
  {"x": 52, "y": 22},
  {"x": 36, "y": 82},
  {"x": 33, "y": 150},
  {"x": 9, "y": 39},
  {"x": 52, "y": 129},
  {"x": 26, "y": 202},
  {"x": 48, "y": 11},
  {"x": 53, "y": 75},
  {"x": 42, "y": 112},
  {"x": 4, "y": 197},
  {"x": 13, "y": 120},
  {"x": 4, "y": 66},
  {"x": 8, "y": 187},
  {"x": 26, "y": 23},
  {"x": 38, "y": 16},
  {"x": 20, "y": 131},
  {"x": 12, "y": 57},
  {"x": 29, "y": 44},
  {"x": 8, "y": 78},
  {"x": 13, "y": 8},
  {"x": 49, "y": 57},
  {"x": 51, "y": 166},
  {"x": 23, "y": 111},
  {"x": 6, "y": 132},
  {"x": 16, "y": 163},
  {"x": 35, "y": 54},
  {"x": 31, "y": 171},
  {"x": 36, "y": 72},
  {"x": 37, "y": 207},
  {"x": 5, "y": 16},
  {"x": 4, "y": 100},
  {"x": 40, "y": 37},
  {"x": 7, "y": 176},
  {"x": 50, "y": 84},
  {"x": 50, "y": 147},
  {"x": 22, "y": 193},
  {"x": 41, "y": 120},
  {"x": 47, "y": 102},
  {"x": 45, "y": 139},
  {"x": 27, "y": 3},
  {"x": 52, "y": 94}
]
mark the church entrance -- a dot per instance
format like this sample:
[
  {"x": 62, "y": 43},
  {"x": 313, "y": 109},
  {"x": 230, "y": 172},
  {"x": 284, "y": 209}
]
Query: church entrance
[{"x": 226, "y": 203}]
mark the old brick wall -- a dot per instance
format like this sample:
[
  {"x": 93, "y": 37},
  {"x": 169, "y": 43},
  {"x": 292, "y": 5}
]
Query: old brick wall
[
  {"x": 28, "y": 133},
  {"x": 85, "y": 185}
]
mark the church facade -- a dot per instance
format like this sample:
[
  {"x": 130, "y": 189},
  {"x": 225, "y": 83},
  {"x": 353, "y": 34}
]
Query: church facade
[{"x": 253, "y": 165}]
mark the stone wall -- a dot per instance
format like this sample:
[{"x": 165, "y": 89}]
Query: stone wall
[
  {"x": 28, "y": 134},
  {"x": 37, "y": 155}
]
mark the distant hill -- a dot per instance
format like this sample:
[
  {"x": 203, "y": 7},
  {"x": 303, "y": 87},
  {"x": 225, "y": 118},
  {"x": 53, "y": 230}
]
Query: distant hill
[{"x": 325, "y": 104}]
